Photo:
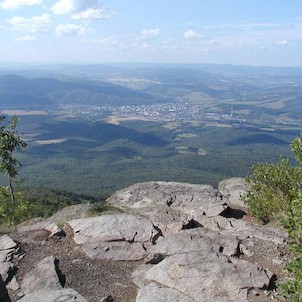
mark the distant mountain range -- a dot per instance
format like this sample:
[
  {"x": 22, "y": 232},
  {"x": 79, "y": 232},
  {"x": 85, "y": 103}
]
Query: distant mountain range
[
  {"x": 245, "y": 87},
  {"x": 20, "y": 92}
]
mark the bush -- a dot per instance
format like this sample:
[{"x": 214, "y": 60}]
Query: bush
[
  {"x": 12, "y": 214},
  {"x": 276, "y": 191},
  {"x": 272, "y": 187},
  {"x": 293, "y": 223}
]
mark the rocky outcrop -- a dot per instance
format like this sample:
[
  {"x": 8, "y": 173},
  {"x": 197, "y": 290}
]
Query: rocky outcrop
[
  {"x": 191, "y": 242},
  {"x": 188, "y": 198},
  {"x": 204, "y": 251}
]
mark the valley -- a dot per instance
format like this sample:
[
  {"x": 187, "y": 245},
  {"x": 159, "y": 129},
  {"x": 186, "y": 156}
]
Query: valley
[{"x": 97, "y": 130}]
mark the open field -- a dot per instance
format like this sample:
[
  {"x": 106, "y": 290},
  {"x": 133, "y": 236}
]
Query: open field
[{"x": 23, "y": 112}]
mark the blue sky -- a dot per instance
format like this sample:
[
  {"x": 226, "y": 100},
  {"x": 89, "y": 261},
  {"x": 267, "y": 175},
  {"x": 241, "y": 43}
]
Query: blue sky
[{"x": 250, "y": 32}]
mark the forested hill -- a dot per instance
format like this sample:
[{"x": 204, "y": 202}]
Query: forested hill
[{"x": 23, "y": 93}]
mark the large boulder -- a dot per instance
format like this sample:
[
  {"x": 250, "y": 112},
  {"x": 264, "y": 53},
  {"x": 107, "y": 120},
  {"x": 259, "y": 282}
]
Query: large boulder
[
  {"x": 170, "y": 206},
  {"x": 189, "y": 198}
]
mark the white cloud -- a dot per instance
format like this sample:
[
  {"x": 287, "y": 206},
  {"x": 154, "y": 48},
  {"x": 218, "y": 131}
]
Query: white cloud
[
  {"x": 34, "y": 24},
  {"x": 13, "y": 4},
  {"x": 63, "y": 7},
  {"x": 191, "y": 34},
  {"x": 26, "y": 39},
  {"x": 106, "y": 41},
  {"x": 92, "y": 13},
  {"x": 71, "y": 29},
  {"x": 81, "y": 9},
  {"x": 282, "y": 42},
  {"x": 148, "y": 34}
]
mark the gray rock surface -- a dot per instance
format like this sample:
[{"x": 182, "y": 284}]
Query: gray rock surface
[
  {"x": 208, "y": 277},
  {"x": 69, "y": 213},
  {"x": 201, "y": 244},
  {"x": 188, "y": 198},
  {"x": 116, "y": 237},
  {"x": 153, "y": 292},
  {"x": 8, "y": 249},
  {"x": 50, "y": 227},
  {"x": 43, "y": 276},
  {"x": 195, "y": 247},
  {"x": 193, "y": 240},
  {"x": 233, "y": 189},
  {"x": 50, "y": 295}
]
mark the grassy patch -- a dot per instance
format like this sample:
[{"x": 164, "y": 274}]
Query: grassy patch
[{"x": 103, "y": 209}]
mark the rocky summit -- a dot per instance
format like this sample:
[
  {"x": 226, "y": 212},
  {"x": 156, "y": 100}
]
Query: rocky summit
[{"x": 166, "y": 241}]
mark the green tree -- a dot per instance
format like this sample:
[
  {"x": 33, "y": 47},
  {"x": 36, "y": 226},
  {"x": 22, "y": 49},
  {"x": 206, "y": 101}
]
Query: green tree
[
  {"x": 10, "y": 142},
  {"x": 276, "y": 192}
]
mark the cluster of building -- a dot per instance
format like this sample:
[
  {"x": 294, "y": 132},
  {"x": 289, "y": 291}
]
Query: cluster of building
[{"x": 178, "y": 111}]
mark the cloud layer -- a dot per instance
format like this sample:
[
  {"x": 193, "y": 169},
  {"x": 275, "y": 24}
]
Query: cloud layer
[
  {"x": 35, "y": 24},
  {"x": 14, "y": 4}
]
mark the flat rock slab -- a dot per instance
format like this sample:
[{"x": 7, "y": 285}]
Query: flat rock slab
[
  {"x": 116, "y": 237},
  {"x": 193, "y": 240},
  {"x": 208, "y": 278},
  {"x": 50, "y": 227},
  {"x": 49, "y": 295},
  {"x": 189, "y": 198}
]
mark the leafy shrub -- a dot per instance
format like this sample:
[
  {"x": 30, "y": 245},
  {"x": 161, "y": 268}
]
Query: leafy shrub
[
  {"x": 277, "y": 189},
  {"x": 12, "y": 214},
  {"x": 272, "y": 187},
  {"x": 293, "y": 224}
]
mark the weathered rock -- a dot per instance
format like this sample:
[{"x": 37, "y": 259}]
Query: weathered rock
[
  {"x": 8, "y": 248},
  {"x": 43, "y": 276},
  {"x": 242, "y": 229},
  {"x": 6, "y": 243},
  {"x": 168, "y": 221},
  {"x": 118, "y": 236},
  {"x": 153, "y": 292},
  {"x": 120, "y": 250},
  {"x": 233, "y": 189},
  {"x": 71, "y": 212},
  {"x": 5, "y": 269},
  {"x": 197, "y": 276},
  {"x": 48, "y": 226},
  {"x": 13, "y": 284},
  {"x": 193, "y": 240},
  {"x": 190, "y": 199},
  {"x": 50, "y": 295}
]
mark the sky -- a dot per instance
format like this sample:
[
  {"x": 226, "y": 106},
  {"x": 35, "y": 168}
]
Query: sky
[{"x": 240, "y": 32}]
